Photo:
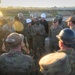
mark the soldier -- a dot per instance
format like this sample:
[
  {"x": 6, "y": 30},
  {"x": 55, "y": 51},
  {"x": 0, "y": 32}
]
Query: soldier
[
  {"x": 33, "y": 18},
  {"x": 55, "y": 64},
  {"x": 66, "y": 39},
  {"x": 7, "y": 29},
  {"x": 54, "y": 30},
  {"x": 22, "y": 20},
  {"x": 38, "y": 32},
  {"x": 28, "y": 33},
  {"x": 71, "y": 22},
  {"x": 61, "y": 22},
  {"x": 44, "y": 22},
  {"x": 14, "y": 62}
]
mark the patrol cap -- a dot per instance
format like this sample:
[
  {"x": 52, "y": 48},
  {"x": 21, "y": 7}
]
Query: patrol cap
[
  {"x": 71, "y": 18},
  {"x": 13, "y": 39},
  {"x": 55, "y": 63},
  {"x": 28, "y": 20},
  {"x": 43, "y": 15}
]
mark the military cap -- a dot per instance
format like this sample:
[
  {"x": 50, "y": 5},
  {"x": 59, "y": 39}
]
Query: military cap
[
  {"x": 14, "y": 39},
  {"x": 55, "y": 63},
  {"x": 71, "y": 18}
]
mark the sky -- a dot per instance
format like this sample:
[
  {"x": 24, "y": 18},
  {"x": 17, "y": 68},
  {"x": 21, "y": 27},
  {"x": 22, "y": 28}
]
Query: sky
[{"x": 38, "y": 3}]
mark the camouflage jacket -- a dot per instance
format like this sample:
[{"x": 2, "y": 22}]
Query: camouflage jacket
[
  {"x": 17, "y": 63},
  {"x": 38, "y": 31},
  {"x": 53, "y": 32},
  {"x": 71, "y": 56},
  {"x": 28, "y": 32}
]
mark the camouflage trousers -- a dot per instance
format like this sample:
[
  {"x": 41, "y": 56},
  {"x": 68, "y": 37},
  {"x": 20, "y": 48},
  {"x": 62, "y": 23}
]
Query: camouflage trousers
[{"x": 54, "y": 46}]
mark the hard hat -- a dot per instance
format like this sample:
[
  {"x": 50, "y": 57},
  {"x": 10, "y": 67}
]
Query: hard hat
[
  {"x": 43, "y": 15},
  {"x": 28, "y": 20},
  {"x": 67, "y": 35}
]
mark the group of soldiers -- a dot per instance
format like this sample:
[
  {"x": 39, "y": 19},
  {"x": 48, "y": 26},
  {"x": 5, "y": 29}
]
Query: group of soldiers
[{"x": 23, "y": 42}]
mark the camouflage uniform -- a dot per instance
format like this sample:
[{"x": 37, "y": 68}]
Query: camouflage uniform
[
  {"x": 66, "y": 39},
  {"x": 61, "y": 22},
  {"x": 53, "y": 40},
  {"x": 29, "y": 36},
  {"x": 14, "y": 62},
  {"x": 1, "y": 42},
  {"x": 38, "y": 32},
  {"x": 71, "y": 56},
  {"x": 51, "y": 64}
]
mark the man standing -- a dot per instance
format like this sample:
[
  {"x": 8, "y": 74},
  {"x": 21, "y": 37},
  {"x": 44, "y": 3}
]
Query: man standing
[
  {"x": 28, "y": 34},
  {"x": 44, "y": 22},
  {"x": 38, "y": 33},
  {"x": 53, "y": 31}
]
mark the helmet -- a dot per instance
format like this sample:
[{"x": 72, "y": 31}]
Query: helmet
[
  {"x": 28, "y": 20},
  {"x": 43, "y": 15},
  {"x": 67, "y": 36},
  {"x": 59, "y": 16}
]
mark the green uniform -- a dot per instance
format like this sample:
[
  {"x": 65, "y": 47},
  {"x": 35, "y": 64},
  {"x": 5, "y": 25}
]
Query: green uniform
[
  {"x": 15, "y": 63},
  {"x": 53, "y": 40},
  {"x": 71, "y": 56},
  {"x": 38, "y": 33},
  {"x": 29, "y": 36}
]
